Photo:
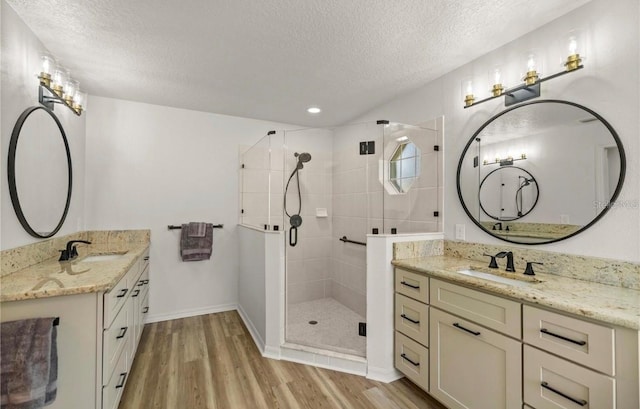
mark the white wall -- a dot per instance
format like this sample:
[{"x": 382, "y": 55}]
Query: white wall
[
  {"x": 20, "y": 51},
  {"x": 150, "y": 166},
  {"x": 605, "y": 85}
]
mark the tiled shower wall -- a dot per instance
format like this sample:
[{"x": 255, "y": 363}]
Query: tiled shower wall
[{"x": 309, "y": 262}]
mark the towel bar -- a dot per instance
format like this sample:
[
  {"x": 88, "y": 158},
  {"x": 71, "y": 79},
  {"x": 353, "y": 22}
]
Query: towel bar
[
  {"x": 172, "y": 227},
  {"x": 346, "y": 240}
]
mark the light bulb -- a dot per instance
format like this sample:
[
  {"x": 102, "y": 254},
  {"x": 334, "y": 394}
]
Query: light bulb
[
  {"x": 531, "y": 62},
  {"x": 573, "y": 45}
]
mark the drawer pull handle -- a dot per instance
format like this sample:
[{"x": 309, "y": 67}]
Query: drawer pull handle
[
  {"x": 415, "y": 287},
  {"x": 135, "y": 293},
  {"x": 123, "y": 378},
  {"x": 140, "y": 283},
  {"x": 580, "y": 402},
  {"x": 404, "y": 356},
  {"x": 146, "y": 310},
  {"x": 146, "y": 281},
  {"x": 123, "y": 331},
  {"x": 573, "y": 341},
  {"x": 409, "y": 319},
  {"x": 146, "y": 258},
  {"x": 476, "y": 333},
  {"x": 123, "y": 292}
]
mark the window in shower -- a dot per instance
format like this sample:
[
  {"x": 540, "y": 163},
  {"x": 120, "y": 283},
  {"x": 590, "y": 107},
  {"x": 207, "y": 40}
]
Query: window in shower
[{"x": 404, "y": 166}]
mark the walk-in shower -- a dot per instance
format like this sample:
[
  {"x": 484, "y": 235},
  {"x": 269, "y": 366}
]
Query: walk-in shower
[{"x": 392, "y": 186}]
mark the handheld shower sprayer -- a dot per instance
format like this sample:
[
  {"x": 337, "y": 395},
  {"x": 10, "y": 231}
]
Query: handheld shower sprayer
[
  {"x": 294, "y": 219},
  {"x": 303, "y": 157}
]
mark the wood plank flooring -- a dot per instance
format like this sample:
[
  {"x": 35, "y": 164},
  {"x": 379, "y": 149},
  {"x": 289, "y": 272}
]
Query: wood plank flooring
[{"x": 211, "y": 362}]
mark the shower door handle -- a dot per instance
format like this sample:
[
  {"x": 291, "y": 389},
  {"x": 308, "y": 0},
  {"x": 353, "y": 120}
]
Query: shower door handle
[{"x": 293, "y": 240}]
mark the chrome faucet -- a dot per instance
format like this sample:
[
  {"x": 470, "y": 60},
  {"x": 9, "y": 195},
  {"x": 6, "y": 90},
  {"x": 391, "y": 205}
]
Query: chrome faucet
[
  {"x": 71, "y": 252},
  {"x": 499, "y": 224},
  {"x": 509, "y": 256}
]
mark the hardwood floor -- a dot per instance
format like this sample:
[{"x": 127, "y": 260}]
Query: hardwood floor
[{"x": 211, "y": 362}]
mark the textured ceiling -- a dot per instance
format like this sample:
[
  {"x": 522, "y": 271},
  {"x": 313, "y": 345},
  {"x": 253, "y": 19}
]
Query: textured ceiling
[{"x": 271, "y": 59}]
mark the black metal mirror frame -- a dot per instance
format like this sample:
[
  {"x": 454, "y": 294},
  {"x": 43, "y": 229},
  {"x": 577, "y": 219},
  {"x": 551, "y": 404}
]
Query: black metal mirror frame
[
  {"x": 502, "y": 168},
  {"x": 11, "y": 171},
  {"x": 616, "y": 193}
]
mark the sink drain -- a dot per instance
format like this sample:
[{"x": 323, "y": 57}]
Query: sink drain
[{"x": 313, "y": 322}]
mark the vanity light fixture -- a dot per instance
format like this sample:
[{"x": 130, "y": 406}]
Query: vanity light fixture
[
  {"x": 508, "y": 161},
  {"x": 58, "y": 87},
  {"x": 530, "y": 86}
]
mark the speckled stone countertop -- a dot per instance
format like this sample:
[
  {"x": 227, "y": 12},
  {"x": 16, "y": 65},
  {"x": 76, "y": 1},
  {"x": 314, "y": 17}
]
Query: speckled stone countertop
[
  {"x": 52, "y": 278},
  {"x": 610, "y": 304}
]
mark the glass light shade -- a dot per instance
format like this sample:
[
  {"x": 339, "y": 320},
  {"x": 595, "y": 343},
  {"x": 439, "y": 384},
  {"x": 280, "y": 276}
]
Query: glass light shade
[
  {"x": 80, "y": 100},
  {"x": 574, "y": 54},
  {"x": 70, "y": 88},
  {"x": 466, "y": 91},
  {"x": 48, "y": 65},
  {"x": 58, "y": 81},
  {"x": 532, "y": 63}
]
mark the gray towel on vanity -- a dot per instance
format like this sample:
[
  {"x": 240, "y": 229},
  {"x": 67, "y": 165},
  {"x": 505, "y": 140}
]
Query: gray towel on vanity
[
  {"x": 193, "y": 247},
  {"x": 29, "y": 366}
]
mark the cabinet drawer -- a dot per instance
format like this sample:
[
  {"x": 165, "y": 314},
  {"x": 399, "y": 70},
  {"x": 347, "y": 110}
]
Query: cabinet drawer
[
  {"x": 553, "y": 383},
  {"x": 412, "y": 319},
  {"x": 412, "y": 359},
  {"x": 114, "y": 300},
  {"x": 412, "y": 285},
  {"x": 114, "y": 340},
  {"x": 589, "y": 344},
  {"x": 112, "y": 392},
  {"x": 493, "y": 312}
]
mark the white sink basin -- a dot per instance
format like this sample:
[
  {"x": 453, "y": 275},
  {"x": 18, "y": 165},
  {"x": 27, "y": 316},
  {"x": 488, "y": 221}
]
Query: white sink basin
[
  {"x": 102, "y": 257},
  {"x": 518, "y": 280}
]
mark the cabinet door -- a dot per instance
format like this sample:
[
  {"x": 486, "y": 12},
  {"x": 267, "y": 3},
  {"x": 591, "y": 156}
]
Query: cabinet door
[
  {"x": 553, "y": 383},
  {"x": 471, "y": 366}
]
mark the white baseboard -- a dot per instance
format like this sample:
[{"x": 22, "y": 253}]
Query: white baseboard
[
  {"x": 190, "y": 313},
  {"x": 383, "y": 374},
  {"x": 257, "y": 339},
  {"x": 271, "y": 352}
]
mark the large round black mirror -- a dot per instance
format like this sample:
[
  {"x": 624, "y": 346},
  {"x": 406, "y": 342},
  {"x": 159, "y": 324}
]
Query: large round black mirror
[
  {"x": 39, "y": 172},
  {"x": 575, "y": 155}
]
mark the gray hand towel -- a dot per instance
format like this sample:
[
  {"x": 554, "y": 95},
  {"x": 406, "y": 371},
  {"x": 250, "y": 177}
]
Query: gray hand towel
[
  {"x": 196, "y": 248},
  {"x": 197, "y": 229},
  {"x": 29, "y": 367}
]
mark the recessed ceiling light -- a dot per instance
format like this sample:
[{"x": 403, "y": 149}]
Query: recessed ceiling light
[{"x": 314, "y": 110}]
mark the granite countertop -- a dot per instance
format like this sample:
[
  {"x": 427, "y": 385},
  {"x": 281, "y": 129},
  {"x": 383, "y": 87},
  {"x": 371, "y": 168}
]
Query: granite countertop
[
  {"x": 615, "y": 305},
  {"x": 52, "y": 278}
]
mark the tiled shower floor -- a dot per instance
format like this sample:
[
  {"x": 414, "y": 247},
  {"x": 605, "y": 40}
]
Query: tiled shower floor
[{"x": 336, "y": 330}]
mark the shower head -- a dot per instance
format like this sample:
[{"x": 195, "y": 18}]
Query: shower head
[{"x": 303, "y": 157}]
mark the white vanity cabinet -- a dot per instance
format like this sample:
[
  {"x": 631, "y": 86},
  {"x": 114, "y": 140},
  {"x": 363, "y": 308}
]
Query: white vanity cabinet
[
  {"x": 473, "y": 367},
  {"x": 122, "y": 330},
  {"x": 485, "y": 351},
  {"x": 96, "y": 338}
]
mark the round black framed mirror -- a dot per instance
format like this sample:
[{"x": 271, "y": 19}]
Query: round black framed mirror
[
  {"x": 40, "y": 172},
  {"x": 574, "y": 153}
]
